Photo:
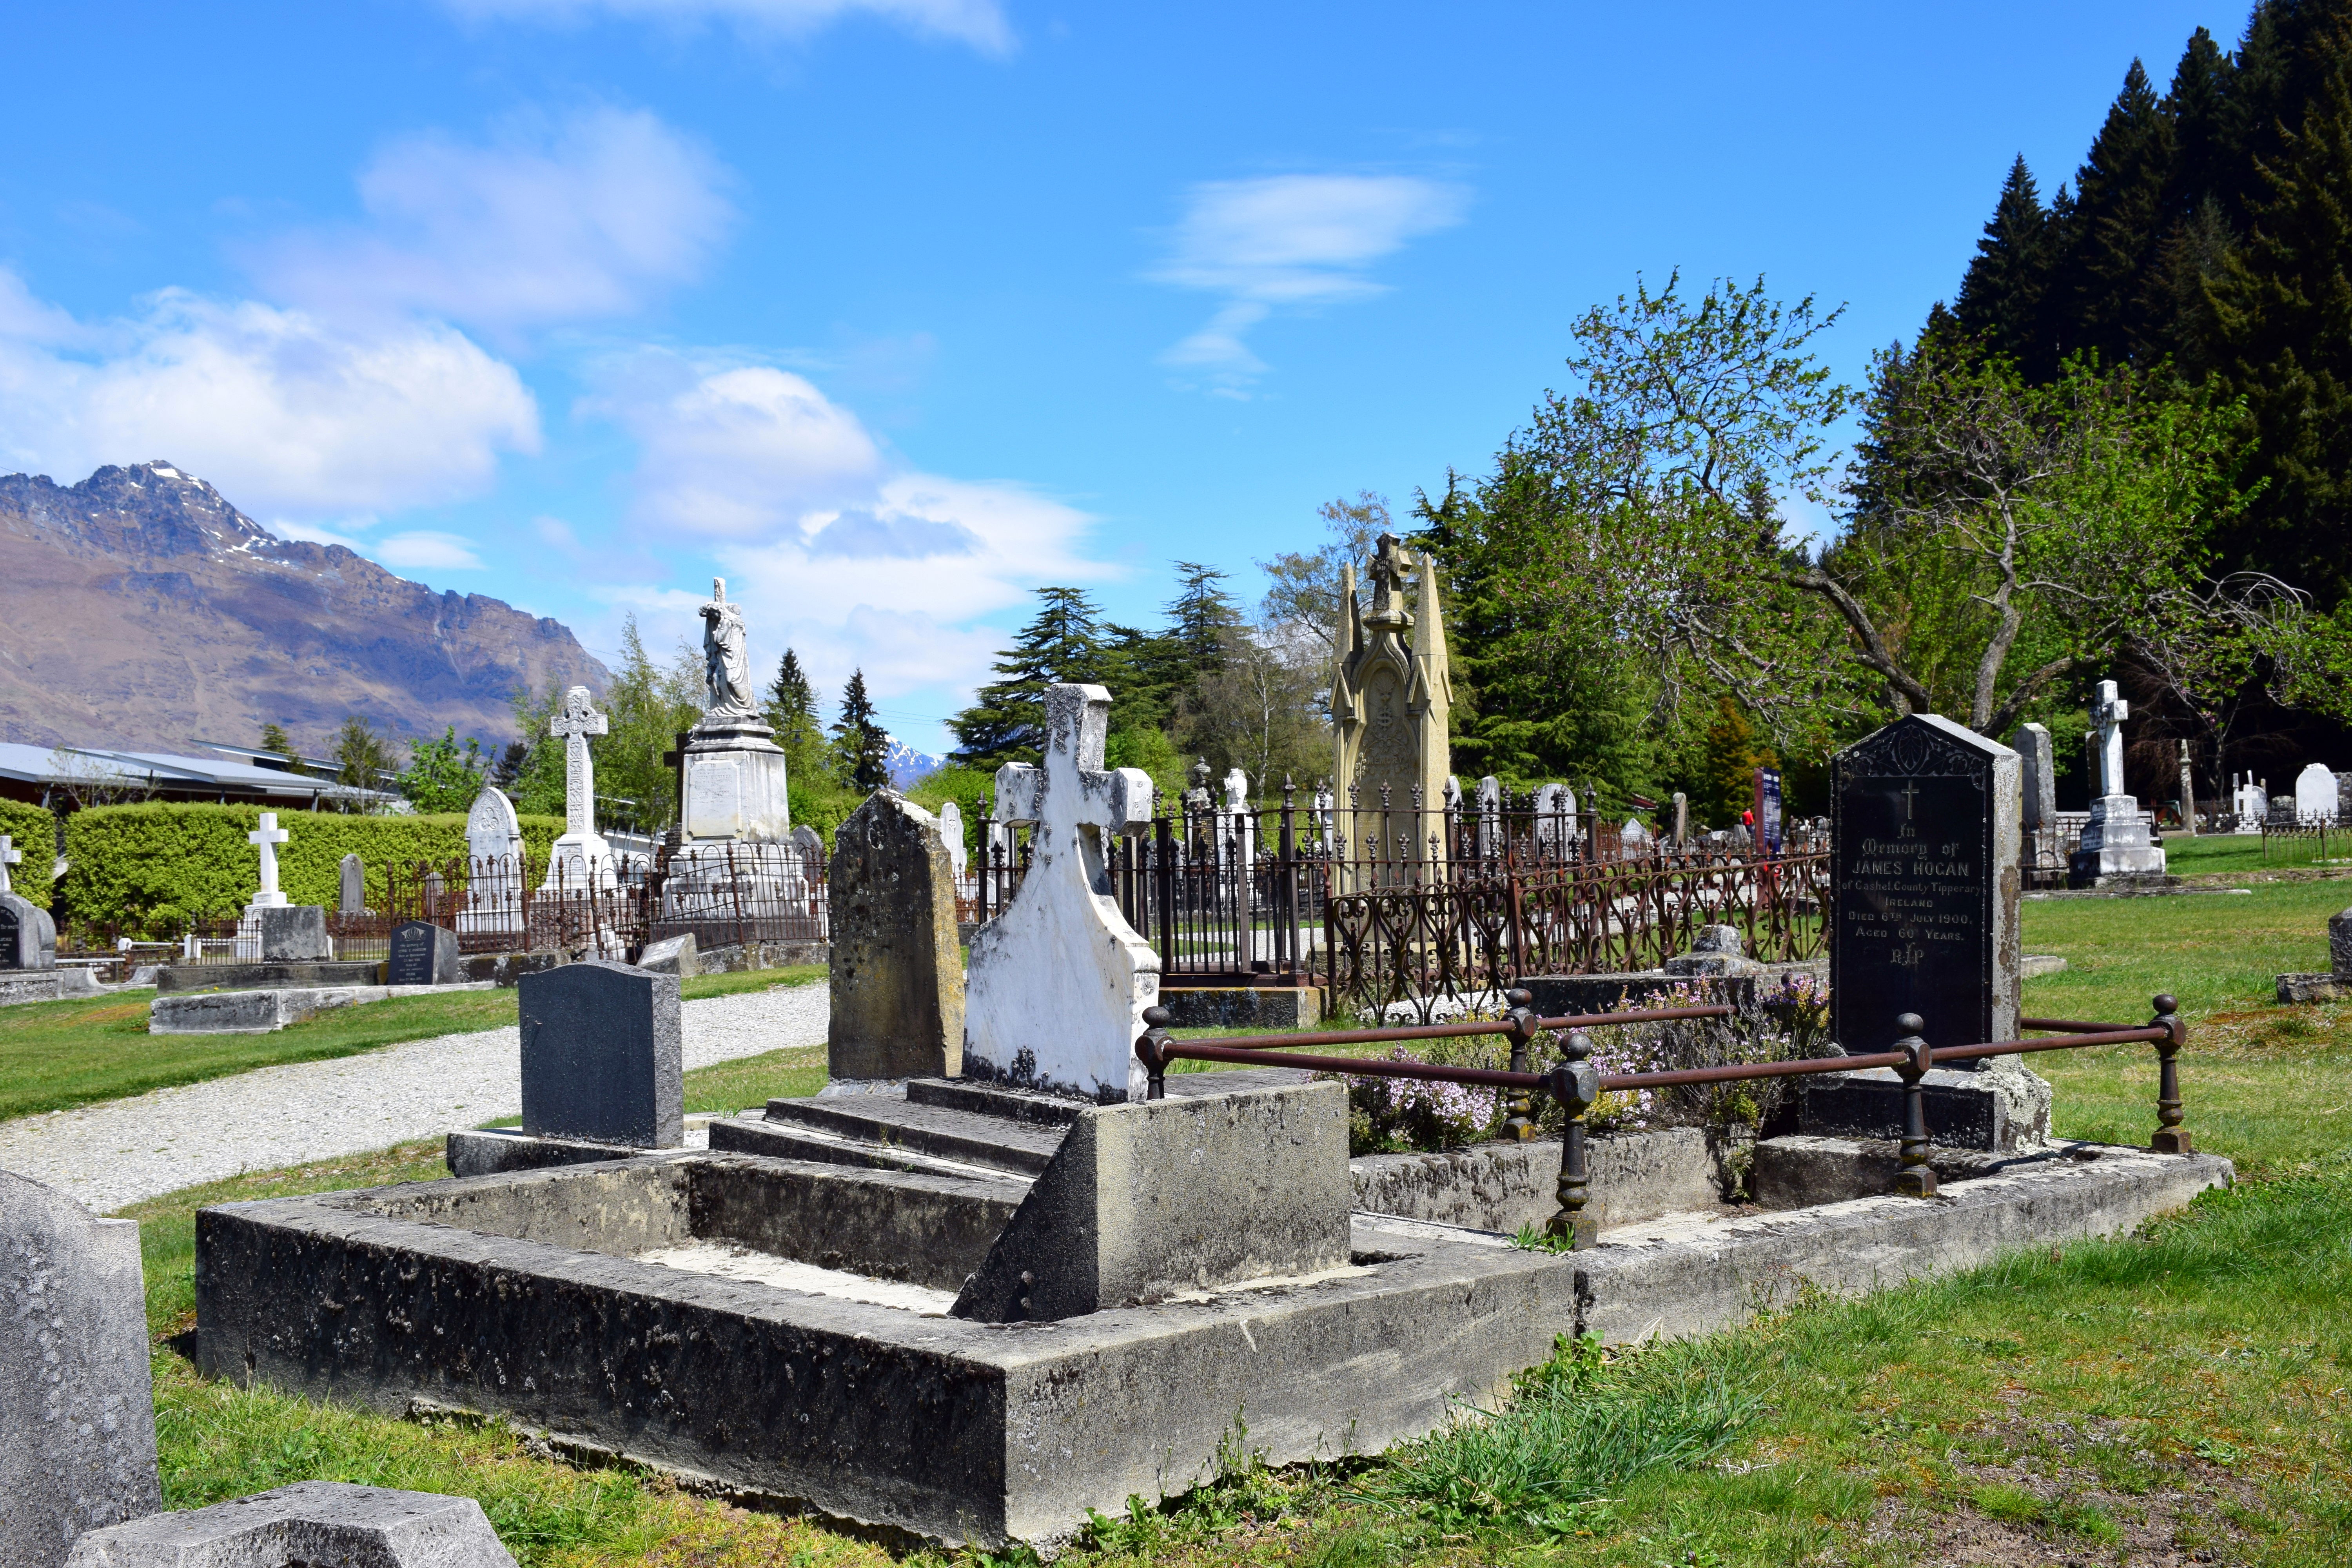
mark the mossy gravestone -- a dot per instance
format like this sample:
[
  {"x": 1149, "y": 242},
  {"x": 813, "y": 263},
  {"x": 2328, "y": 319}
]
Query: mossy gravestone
[{"x": 898, "y": 978}]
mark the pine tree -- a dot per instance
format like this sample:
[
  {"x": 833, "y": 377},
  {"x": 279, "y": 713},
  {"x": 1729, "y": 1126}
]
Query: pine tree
[
  {"x": 2000, "y": 299},
  {"x": 1006, "y": 721},
  {"x": 792, "y": 713},
  {"x": 861, "y": 746},
  {"x": 2282, "y": 306},
  {"x": 2116, "y": 226},
  {"x": 273, "y": 739}
]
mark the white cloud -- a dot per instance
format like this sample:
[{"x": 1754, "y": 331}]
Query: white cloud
[
  {"x": 283, "y": 411},
  {"x": 565, "y": 221},
  {"x": 853, "y": 561},
  {"x": 424, "y": 550},
  {"x": 980, "y": 23},
  {"x": 1290, "y": 241}
]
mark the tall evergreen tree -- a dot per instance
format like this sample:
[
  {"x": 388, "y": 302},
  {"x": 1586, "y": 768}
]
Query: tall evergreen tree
[
  {"x": 861, "y": 745},
  {"x": 792, "y": 713},
  {"x": 2000, "y": 299},
  {"x": 1006, "y": 721},
  {"x": 2110, "y": 241},
  {"x": 2282, "y": 305}
]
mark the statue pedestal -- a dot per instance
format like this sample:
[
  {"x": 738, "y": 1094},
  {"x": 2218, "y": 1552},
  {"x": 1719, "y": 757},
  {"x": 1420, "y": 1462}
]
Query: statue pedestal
[
  {"x": 2116, "y": 842},
  {"x": 735, "y": 783}
]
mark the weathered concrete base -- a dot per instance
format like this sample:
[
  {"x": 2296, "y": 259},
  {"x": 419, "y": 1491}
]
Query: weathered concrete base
[
  {"x": 48, "y": 986},
  {"x": 2292, "y": 988},
  {"x": 310, "y": 1522},
  {"x": 1562, "y": 996},
  {"x": 583, "y": 1302},
  {"x": 1680, "y": 1276},
  {"x": 2001, "y": 1106},
  {"x": 264, "y": 1012},
  {"x": 192, "y": 978},
  {"x": 507, "y": 969},
  {"x": 2035, "y": 965},
  {"x": 490, "y": 1150},
  {"x": 765, "y": 955},
  {"x": 1801, "y": 1170},
  {"x": 1271, "y": 1008},
  {"x": 1503, "y": 1186}
]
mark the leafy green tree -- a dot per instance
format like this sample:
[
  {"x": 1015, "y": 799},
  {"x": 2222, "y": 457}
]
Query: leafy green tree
[
  {"x": 861, "y": 746},
  {"x": 273, "y": 739},
  {"x": 363, "y": 759},
  {"x": 647, "y": 705},
  {"x": 443, "y": 776},
  {"x": 535, "y": 781},
  {"x": 1006, "y": 721}
]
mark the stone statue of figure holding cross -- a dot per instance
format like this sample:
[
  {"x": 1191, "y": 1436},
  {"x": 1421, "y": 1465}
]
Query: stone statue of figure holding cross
[
  {"x": 1059, "y": 983},
  {"x": 725, "y": 660}
]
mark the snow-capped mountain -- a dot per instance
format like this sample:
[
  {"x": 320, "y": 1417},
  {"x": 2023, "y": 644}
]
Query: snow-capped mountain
[{"x": 908, "y": 764}]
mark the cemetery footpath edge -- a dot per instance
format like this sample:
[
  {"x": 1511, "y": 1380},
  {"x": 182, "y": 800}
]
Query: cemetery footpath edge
[{"x": 2183, "y": 1385}]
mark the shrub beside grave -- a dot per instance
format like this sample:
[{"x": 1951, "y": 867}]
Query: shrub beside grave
[
  {"x": 35, "y": 832},
  {"x": 162, "y": 862}
]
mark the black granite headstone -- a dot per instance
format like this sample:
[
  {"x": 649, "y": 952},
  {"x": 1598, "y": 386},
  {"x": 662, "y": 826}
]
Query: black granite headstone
[
  {"x": 422, "y": 954},
  {"x": 1923, "y": 850},
  {"x": 602, "y": 1055},
  {"x": 28, "y": 939}
]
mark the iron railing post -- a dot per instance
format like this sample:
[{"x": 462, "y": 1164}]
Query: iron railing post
[
  {"x": 2172, "y": 1138},
  {"x": 1152, "y": 1051},
  {"x": 1576, "y": 1085},
  {"x": 1521, "y": 1124},
  {"x": 1913, "y": 1178}
]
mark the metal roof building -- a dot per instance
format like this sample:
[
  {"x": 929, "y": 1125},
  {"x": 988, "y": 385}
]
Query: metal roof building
[{"x": 64, "y": 778}]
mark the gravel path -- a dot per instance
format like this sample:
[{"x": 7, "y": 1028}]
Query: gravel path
[{"x": 129, "y": 1150}]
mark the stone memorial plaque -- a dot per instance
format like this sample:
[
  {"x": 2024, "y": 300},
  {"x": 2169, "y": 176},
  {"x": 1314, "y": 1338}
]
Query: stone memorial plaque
[
  {"x": 714, "y": 806},
  {"x": 1925, "y": 863},
  {"x": 422, "y": 954}
]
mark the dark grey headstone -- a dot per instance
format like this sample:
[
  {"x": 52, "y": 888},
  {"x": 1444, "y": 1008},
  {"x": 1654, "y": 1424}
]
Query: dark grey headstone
[
  {"x": 317, "y": 1522},
  {"x": 28, "y": 938},
  {"x": 351, "y": 897},
  {"x": 898, "y": 977},
  {"x": 422, "y": 953},
  {"x": 601, "y": 1055},
  {"x": 295, "y": 933},
  {"x": 2340, "y": 944},
  {"x": 76, "y": 1407},
  {"x": 2037, "y": 775},
  {"x": 1924, "y": 853}
]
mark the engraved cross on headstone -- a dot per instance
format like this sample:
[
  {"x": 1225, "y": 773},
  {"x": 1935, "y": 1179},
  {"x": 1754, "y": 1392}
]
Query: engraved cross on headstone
[
  {"x": 9, "y": 856},
  {"x": 267, "y": 839},
  {"x": 578, "y": 720},
  {"x": 2108, "y": 712}
]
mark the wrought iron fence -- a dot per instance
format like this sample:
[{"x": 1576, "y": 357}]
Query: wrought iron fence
[{"x": 1465, "y": 940}]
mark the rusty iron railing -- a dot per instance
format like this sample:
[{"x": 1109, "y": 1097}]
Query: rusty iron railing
[{"x": 1578, "y": 1086}]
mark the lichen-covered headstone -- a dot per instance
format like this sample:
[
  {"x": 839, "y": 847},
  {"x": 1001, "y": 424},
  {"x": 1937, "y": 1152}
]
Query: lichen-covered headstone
[
  {"x": 351, "y": 892},
  {"x": 309, "y": 1522},
  {"x": 898, "y": 978},
  {"x": 28, "y": 938},
  {"x": 76, "y": 1407},
  {"x": 1059, "y": 981}
]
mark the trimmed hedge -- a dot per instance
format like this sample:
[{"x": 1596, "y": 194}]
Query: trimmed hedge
[
  {"x": 153, "y": 865},
  {"x": 36, "y": 835}
]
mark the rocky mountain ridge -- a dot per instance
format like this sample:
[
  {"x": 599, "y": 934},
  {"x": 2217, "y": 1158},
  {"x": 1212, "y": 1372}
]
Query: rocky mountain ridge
[{"x": 140, "y": 609}]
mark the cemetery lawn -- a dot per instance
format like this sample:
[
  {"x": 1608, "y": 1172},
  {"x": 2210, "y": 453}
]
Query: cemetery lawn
[
  {"x": 57, "y": 1055},
  {"x": 2178, "y": 1392}
]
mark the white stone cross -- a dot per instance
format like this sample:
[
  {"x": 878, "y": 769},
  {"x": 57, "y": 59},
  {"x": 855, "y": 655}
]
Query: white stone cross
[
  {"x": 9, "y": 856},
  {"x": 1058, "y": 981},
  {"x": 2108, "y": 712},
  {"x": 578, "y": 720},
  {"x": 266, "y": 838}
]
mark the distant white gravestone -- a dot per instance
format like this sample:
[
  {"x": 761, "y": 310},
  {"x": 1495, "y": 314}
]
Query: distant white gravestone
[
  {"x": 1059, "y": 983},
  {"x": 2314, "y": 795},
  {"x": 581, "y": 860},
  {"x": 951, "y": 834},
  {"x": 494, "y": 844}
]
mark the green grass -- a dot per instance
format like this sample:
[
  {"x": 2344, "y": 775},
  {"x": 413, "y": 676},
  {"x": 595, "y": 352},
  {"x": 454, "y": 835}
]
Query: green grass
[
  {"x": 57, "y": 1055},
  {"x": 2224, "y": 853}
]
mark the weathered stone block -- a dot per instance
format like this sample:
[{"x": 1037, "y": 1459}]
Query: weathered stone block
[
  {"x": 1156, "y": 1198},
  {"x": 1502, "y": 1186},
  {"x": 601, "y": 1055},
  {"x": 2000, "y": 1106},
  {"x": 1268, "y": 1008},
  {"x": 324, "y": 1523},
  {"x": 76, "y": 1407},
  {"x": 2340, "y": 944},
  {"x": 423, "y": 953},
  {"x": 897, "y": 976},
  {"x": 672, "y": 955},
  {"x": 295, "y": 933}
]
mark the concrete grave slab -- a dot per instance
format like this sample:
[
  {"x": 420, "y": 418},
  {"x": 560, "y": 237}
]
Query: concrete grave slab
[{"x": 326, "y": 1523}]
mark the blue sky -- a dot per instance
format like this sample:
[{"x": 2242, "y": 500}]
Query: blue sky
[{"x": 893, "y": 311}]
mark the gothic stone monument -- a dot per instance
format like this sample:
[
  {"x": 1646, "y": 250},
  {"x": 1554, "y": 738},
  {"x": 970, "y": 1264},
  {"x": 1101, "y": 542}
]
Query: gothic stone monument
[
  {"x": 1390, "y": 700},
  {"x": 898, "y": 978},
  {"x": 2115, "y": 841},
  {"x": 1925, "y": 836},
  {"x": 1058, "y": 981}
]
